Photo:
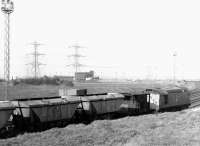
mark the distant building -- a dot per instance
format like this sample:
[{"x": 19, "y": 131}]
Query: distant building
[{"x": 83, "y": 76}]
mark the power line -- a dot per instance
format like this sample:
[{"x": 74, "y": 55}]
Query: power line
[
  {"x": 7, "y": 8},
  {"x": 35, "y": 63}
]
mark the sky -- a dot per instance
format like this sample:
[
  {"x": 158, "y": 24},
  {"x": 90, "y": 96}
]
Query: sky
[{"x": 121, "y": 38}]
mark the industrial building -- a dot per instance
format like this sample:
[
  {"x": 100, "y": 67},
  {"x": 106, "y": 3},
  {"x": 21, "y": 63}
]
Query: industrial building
[{"x": 83, "y": 76}]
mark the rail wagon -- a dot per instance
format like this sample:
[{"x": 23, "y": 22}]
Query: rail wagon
[
  {"x": 6, "y": 110},
  {"x": 57, "y": 109},
  {"x": 143, "y": 99},
  {"x": 44, "y": 112},
  {"x": 169, "y": 99},
  {"x": 114, "y": 104},
  {"x": 102, "y": 104}
]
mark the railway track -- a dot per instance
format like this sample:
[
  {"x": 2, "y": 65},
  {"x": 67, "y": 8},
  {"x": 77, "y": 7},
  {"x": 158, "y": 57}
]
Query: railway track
[{"x": 195, "y": 98}]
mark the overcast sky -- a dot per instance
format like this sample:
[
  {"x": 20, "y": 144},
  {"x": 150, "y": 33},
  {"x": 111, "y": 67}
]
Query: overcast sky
[{"x": 132, "y": 38}]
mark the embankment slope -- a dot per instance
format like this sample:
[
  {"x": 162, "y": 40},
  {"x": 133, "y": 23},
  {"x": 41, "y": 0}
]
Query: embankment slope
[{"x": 176, "y": 128}]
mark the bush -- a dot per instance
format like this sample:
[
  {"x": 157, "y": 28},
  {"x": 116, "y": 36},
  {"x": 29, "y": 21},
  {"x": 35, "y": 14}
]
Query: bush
[
  {"x": 42, "y": 80},
  {"x": 2, "y": 80}
]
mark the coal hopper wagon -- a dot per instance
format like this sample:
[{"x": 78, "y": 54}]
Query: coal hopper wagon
[
  {"x": 6, "y": 110},
  {"x": 43, "y": 113}
]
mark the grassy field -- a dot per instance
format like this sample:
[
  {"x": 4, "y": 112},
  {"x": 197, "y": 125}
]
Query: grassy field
[
  {"x": 31, "y": 91},
  {"x": 178, "y": 128}
]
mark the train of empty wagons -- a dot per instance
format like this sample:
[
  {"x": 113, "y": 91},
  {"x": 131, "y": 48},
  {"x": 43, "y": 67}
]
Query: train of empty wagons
[{"x": 78, "y": 106}]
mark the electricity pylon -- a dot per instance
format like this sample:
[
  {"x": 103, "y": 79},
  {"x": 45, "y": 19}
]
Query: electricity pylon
[
  {"x": 76, "y": 62},
  {"x": 76, "y": 57},
  {"x": 7, "y": 8},
  {"x": 35, "y": 63}
]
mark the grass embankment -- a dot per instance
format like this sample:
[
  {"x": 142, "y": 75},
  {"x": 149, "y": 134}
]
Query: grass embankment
[
  {"x": 29, "y": 91},
  {"x": 178, "y": 128}
]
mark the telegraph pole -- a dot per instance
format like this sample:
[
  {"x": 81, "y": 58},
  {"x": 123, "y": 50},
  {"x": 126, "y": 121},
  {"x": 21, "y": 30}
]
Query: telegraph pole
[
  {"x": 174, "y": 67},
  {"x": 7, "y": 8},
  {"x": 35, "y": 63},
  {"x": 76, "y": 57}
]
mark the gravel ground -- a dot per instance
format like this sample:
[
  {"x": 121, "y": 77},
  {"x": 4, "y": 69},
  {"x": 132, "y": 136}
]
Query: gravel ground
[{"x": 176, "y": 128}]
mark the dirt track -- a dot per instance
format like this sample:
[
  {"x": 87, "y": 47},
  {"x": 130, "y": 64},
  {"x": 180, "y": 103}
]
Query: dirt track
[{"x": 179, "y": 128}]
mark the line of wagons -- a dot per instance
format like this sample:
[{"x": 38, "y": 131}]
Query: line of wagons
[{"x": 78, "y": 106}]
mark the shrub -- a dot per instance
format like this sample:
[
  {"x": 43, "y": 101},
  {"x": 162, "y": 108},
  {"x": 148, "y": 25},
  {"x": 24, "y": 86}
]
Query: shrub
[{"x": 43, "y": 80}]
